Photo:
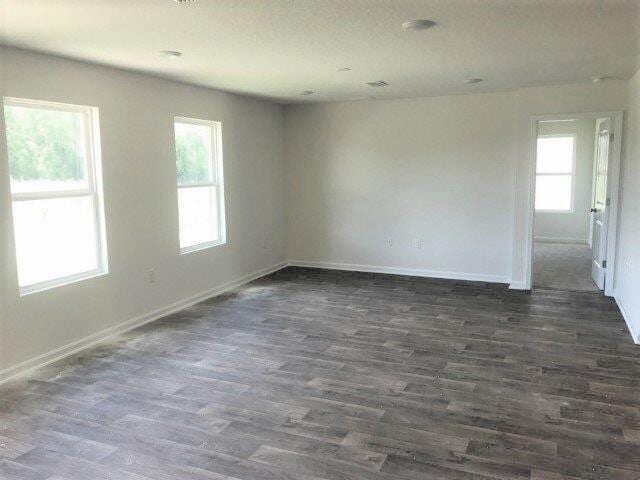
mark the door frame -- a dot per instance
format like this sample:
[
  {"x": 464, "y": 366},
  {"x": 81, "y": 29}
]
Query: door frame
[{"x": 613, "y": 178}]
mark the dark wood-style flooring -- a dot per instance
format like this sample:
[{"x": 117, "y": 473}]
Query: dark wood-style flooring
[{"x": 310, "y": 374}]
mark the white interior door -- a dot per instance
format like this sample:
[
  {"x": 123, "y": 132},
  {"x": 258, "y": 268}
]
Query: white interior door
[{"x": 600, "y": 208}]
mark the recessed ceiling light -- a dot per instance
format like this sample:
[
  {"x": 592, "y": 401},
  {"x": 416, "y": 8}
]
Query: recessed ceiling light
[
  {"x": 418, "y": 24},
  {"x": 344, "y": 69},
  {"x": 170, "y": 54},
  {"x": 598, "y": 79},
  {"x": 473, "y": 80},
  {"x": 378, "y": 83},
  {"x": 306, "y": 92},
  {"x": 184, "y": 1}
]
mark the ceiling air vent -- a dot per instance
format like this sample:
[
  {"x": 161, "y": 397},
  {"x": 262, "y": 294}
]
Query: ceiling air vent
[{"x": 379, "y": 83}]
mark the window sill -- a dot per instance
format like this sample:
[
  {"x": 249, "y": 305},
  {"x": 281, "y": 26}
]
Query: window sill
[
  {"x": 61, "y": 282},
  {"x": 202, "y": 246}
]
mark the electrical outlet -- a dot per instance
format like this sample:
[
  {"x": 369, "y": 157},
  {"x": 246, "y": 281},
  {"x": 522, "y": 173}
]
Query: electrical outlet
[
  {"x": 151, "y": 276},
  {"x": 389, "y": 242},
  {"x": 417, "y": 243}
]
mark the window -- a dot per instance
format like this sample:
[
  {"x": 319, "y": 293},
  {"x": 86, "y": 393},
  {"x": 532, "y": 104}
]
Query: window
[
  {"x": 200, "y": 184},
  {"x": 554, "y": 173},
  {"x": 55, "y": 192}
]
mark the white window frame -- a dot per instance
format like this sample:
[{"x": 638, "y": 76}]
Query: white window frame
[
  {"x": 571, "y": 174},
  {"x": 93, "y": 189},
  {"x": 217, "y": 181}
]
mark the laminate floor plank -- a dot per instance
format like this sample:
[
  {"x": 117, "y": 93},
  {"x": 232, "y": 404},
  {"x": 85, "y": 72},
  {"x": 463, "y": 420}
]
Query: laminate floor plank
[{"x": 311, "y": 374}]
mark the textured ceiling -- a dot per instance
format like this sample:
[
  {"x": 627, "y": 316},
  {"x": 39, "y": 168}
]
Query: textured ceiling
[{"x": 277, "y": 48}]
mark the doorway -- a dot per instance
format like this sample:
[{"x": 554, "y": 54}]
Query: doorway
[{"x": 574, "y": 190}]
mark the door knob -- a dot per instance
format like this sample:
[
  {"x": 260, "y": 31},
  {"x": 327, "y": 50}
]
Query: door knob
[{"x": 593, "y": 210}]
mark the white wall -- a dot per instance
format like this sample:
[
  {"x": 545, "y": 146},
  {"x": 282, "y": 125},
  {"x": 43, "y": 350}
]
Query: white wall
[
  {"x": 439, "y": 170},
  {"x": 574, "y": 226},
  {"x": 136, "y": 123},
  {"x": 627, "y": 291},
  {"x": 451, "y": 171}
]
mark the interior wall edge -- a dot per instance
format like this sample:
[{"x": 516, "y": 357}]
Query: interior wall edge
[
  {"x": 631, "y": 326},
  {"x": 628, "y": 248},
  {"x": 22, "y": 368}
]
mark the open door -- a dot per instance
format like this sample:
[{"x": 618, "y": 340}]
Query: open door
[{"x": 600, "y": 207}]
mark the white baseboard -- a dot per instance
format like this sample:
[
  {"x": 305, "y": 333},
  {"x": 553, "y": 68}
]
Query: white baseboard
[
  {"x": 580, "y": 241},
  {"x": 635, "y": 333},
  {"x": 412, "y": 272},
  {"x": 517, "y": 286},
  {"x": 98, "y": 337}
]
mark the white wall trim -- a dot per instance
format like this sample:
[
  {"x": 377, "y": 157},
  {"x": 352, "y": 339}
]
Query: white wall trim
[
  {"x": 581, "y": 241},
  {"x": 89, "y": 341},
  {"x": 635, "y": 333},
  {"x": 518, "y": 286},
  {"x": 412, "y": 272}
]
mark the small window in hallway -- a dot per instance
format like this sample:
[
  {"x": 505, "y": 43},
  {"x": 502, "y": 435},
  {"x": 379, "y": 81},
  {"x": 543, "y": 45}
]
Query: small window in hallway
[{"x": 554, "y": 173}]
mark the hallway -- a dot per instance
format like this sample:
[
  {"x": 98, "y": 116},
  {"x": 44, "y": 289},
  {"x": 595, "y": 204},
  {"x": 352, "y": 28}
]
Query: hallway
[{"x": 562, "y": 266}]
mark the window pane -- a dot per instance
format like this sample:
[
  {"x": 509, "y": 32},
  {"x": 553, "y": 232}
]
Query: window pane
[
  {"x": 198, "y": 216},
  {"x": 193, "y": 153},
  {"x": 555, "y": 155},
  {"x": 54, "y": 238},
  {"x": 553, "y": 192},
  {"x": 46, "y": 149}
]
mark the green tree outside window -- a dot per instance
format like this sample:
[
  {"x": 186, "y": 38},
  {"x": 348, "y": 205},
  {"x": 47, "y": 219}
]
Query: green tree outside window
[
  {"x": 193, "y": 162},
  {"x": 44, "y": 145}
]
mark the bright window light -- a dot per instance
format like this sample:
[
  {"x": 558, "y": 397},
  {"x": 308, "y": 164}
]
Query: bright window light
[
  {"x": 200, "y": 185},
  {"x": 554, "y": 173},
  {"x": 55, "y": 192}
]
